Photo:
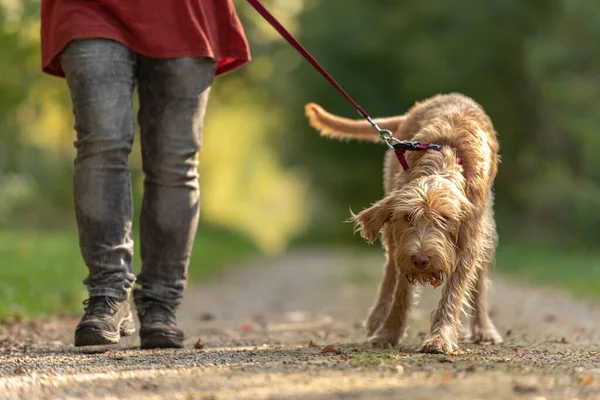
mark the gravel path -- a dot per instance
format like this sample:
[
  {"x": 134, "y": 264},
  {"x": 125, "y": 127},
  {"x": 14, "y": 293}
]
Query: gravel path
[{"x": 257, "y": 321}]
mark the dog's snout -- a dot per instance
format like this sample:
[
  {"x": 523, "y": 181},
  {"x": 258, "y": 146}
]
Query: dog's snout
[{"x": 420, "y": 261}]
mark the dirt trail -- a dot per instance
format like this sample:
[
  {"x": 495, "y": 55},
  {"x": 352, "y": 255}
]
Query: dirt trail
[{"x": 257, "y": 320}]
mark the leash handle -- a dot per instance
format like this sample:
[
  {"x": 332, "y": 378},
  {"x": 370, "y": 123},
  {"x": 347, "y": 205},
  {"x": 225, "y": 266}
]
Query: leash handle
[{"x": 291, "y": 40}]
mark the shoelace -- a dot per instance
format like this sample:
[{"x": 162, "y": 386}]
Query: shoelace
[{"x": 100, "y": 304}]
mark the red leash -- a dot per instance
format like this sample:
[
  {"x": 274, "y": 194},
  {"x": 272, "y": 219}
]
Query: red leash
[
  {"x": 400, "y": 146},
  {"x": 291, "y": 40}
]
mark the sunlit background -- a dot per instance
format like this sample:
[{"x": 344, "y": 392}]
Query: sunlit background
[{"x": 269, "y": 183}]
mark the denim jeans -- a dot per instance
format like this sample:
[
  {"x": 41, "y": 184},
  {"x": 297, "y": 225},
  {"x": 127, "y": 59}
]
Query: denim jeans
[{"x": 173, "y": 93}]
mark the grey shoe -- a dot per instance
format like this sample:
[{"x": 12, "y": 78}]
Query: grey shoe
[
  {"x": 106, "y": 319},
  {"x": 158, "y": 326}
]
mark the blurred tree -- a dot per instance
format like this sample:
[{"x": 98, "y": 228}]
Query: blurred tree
[
  {"x": 532, "y": 64},
  {"x": 32, "y": 120},
  {"x": 563, "y": 192},
  {"x": 243, "y": 185}
]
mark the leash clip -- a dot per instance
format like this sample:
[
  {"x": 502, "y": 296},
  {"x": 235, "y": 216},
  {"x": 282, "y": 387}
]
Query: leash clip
[{"x": 386, "y": 135}]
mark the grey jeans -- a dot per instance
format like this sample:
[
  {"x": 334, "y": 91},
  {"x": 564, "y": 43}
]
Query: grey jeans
[{"x": 173, "y": 93}]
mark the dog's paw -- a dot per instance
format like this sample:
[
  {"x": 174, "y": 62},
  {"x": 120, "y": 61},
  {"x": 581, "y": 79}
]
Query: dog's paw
[
  {"x": 383, "y": 338},
  {"x": 438, "y": 345},
  {"x": 486, "y": 336}
]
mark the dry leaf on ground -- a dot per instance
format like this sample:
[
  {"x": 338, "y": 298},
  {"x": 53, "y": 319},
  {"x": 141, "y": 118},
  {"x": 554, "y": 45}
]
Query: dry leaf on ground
[
  {"x": 207, "y": 317},
  {"x": 329, "y": 349}
]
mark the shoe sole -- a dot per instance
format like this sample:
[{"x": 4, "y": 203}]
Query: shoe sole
[
  {"x": 96, "y": 337},
  {"x": 160, "y": 340}
]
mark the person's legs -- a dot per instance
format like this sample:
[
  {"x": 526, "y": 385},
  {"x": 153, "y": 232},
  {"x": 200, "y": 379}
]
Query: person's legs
[
  {"x": 173, "y": 98},
  {"x": 101, "y": 78}
]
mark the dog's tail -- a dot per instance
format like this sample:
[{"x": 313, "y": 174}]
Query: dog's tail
[{"x": 344, "y": 128}]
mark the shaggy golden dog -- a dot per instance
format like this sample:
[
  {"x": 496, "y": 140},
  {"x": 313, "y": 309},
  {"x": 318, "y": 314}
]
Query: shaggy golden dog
[{"x": 436, "y": 219}]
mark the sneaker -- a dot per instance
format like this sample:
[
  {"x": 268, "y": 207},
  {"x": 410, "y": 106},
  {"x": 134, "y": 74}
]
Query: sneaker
[
  {"x": 106, "y": 319},
  {"x": 158, "y": 326}
]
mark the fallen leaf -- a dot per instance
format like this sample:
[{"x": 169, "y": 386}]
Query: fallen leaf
[
  {"x": 329, "y": 349},
  {"x": 549, "y": 318},
  {"x": 445, "y": 360},
  {"x": 149, "y": 386},
  {"x": 312, "y": 345},
  {"x": 525, "y": 388},
  {"x": 447, "y": 378},
  {"x": 246, "y": 327},
  {"x": 207, "y": 317},
  {"x": 563, "y": 341},
  {"x": 199, "y": 344},
  {"x": 586, "y": 380},
  {"x": 19, "y": 370}
]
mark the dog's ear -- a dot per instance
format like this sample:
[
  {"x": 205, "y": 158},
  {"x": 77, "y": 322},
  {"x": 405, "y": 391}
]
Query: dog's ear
[{"x": 371, "y": 221}]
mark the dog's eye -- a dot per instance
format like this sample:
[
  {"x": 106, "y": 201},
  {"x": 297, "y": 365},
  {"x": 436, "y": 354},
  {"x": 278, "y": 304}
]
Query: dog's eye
[{"x": 408, "y": 219}]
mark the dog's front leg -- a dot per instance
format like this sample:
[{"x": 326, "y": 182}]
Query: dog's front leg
[
  {"x": 443, "y": 337},
  {"x": 392, "y": 329},
  {"x": 385, "y": 296}
]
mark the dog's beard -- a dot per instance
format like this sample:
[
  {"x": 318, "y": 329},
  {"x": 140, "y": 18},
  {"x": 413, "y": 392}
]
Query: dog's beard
[{"x": 432, "y": 242}]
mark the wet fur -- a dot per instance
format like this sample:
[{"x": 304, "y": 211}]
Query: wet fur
[{"x": 441, "y": 209}]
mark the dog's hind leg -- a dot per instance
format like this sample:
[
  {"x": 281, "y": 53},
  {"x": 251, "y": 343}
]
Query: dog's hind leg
[
  {"x": 385, "y": 296},
  {"x": 394, "y": 324},
  {"x": 482, "y": 327}
]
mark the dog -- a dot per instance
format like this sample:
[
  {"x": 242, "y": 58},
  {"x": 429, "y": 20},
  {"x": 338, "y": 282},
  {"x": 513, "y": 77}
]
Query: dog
[{"x": 436, "y": 219}]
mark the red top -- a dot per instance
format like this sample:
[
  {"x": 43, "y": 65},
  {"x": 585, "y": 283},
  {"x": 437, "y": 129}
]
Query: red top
[{"x": 153, "y": 28}]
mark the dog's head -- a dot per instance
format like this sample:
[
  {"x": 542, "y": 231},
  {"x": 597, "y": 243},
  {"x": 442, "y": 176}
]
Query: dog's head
[{"x": 422, "y": 221}]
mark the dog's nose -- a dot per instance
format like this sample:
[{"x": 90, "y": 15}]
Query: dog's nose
[{"x": 420, "y": 261}]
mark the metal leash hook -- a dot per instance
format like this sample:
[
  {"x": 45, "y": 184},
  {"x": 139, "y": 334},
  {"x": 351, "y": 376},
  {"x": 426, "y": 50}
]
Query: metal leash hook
[{"x": 386, "y": 135}]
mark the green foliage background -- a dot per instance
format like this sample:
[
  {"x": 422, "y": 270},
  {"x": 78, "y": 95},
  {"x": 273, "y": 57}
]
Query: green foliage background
[{"x": 533, "y": 64}]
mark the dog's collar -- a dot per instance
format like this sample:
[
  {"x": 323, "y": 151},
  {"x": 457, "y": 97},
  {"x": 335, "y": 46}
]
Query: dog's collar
[{"x": 403, "y": 146}]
